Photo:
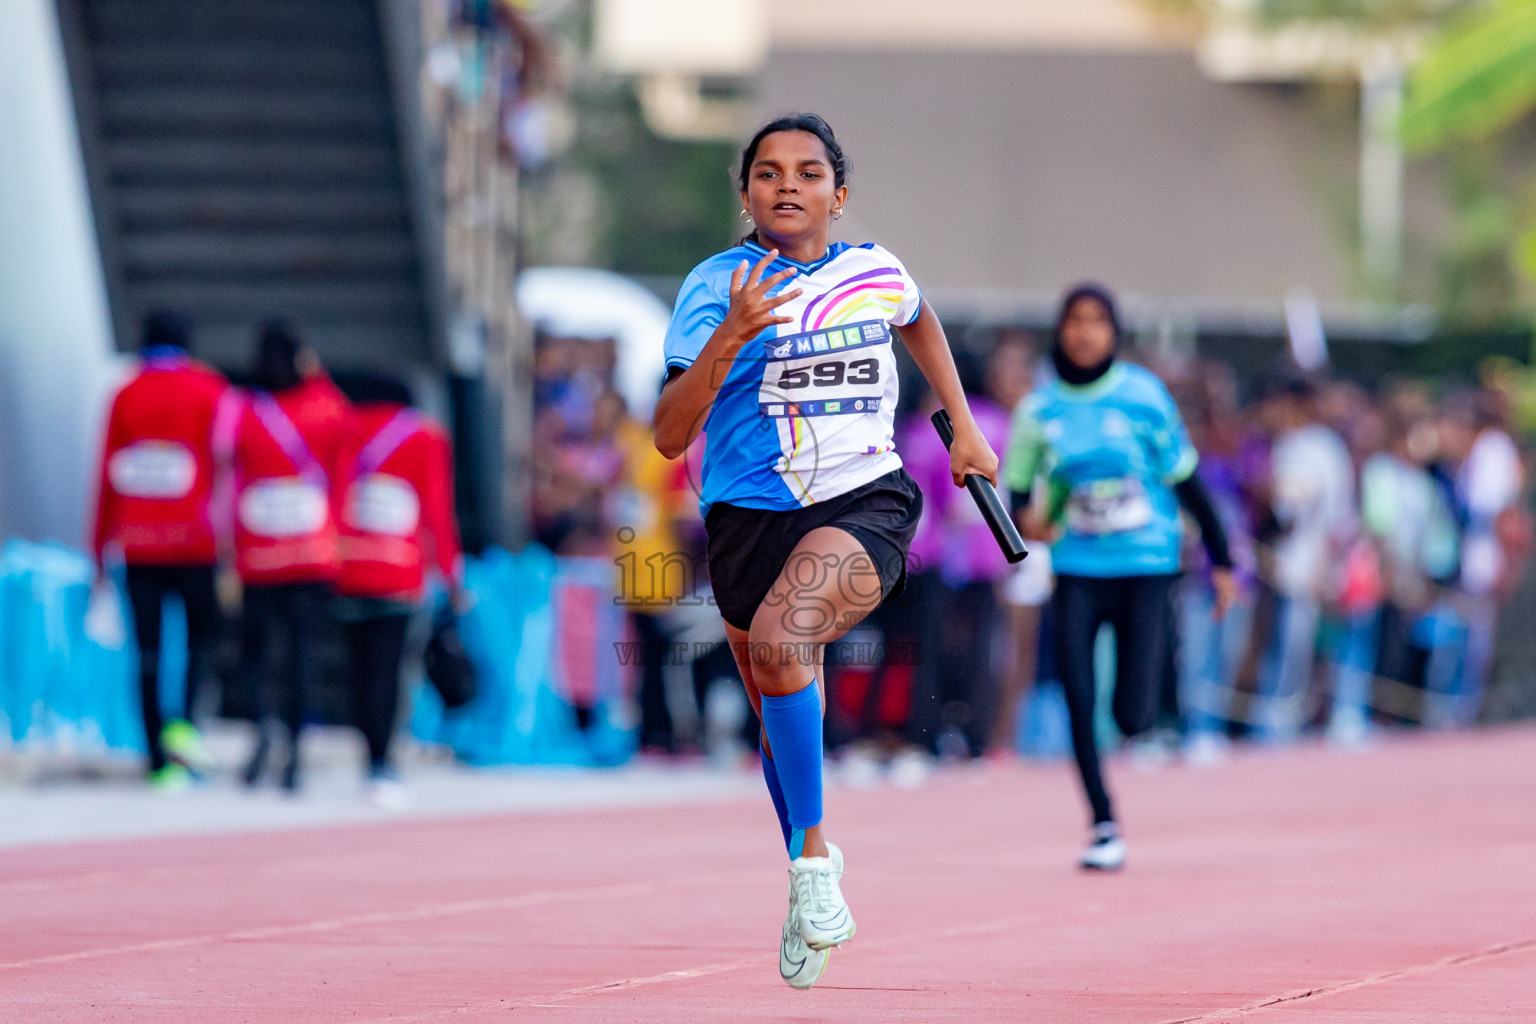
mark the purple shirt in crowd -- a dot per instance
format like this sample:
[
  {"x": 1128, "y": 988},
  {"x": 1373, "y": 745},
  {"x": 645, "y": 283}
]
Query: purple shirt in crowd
[
  {"x": 1225, "y": 478},
  {"x": 952, "y": 536}
]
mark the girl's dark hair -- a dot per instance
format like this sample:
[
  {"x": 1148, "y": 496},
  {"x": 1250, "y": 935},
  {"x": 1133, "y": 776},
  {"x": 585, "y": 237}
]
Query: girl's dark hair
[
  {"x": 277, "y": 357},
  {"x": 164, "y": 327},
  {"x": 812, "y": 123}
]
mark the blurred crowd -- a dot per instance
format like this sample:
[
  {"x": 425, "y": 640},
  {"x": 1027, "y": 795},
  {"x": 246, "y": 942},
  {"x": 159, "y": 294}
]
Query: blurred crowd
[
  {"x": 1377, "y": 534},
  {"x": 602, "y": 491}
]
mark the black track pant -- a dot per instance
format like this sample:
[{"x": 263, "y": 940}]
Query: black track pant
[
  {"x": 656, "y": 729},
  {"x": 953, "y": 682},
  {"x": 148, "y": 587},
  {"x": 376, "y": 645},
  {"x": 296, "y": 612},
  {"x": 1137, "y": 608}
]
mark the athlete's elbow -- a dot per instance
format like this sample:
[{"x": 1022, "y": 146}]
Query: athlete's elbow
[{"x": 670, "y": 442}]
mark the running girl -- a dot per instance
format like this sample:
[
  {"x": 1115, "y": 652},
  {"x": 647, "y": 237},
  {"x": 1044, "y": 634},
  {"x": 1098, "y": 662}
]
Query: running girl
[
  {"x": 807, "y": 509},
  {"x": 1108, "y": 442}
]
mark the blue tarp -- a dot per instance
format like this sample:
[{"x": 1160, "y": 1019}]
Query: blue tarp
[
  {"x": 58, "y": 689},
  {"x": 61, "y": 691},
  {"x": 511, "y": 633}
]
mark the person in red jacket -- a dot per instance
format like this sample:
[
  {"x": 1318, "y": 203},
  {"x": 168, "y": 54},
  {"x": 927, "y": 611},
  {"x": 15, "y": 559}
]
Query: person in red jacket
[
  {"x": 393, "y": 493},
  {"x": 154, "y": 494},
  {"x": 286, "y": 550}
]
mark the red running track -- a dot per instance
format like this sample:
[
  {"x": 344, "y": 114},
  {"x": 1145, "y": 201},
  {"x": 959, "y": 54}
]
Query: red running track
[{"x": 1397, "y": 885}]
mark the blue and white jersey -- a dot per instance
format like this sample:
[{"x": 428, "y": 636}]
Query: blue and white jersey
[
  {"x": 806, "y": 410},
  {"x": 1111, "y": 453}
]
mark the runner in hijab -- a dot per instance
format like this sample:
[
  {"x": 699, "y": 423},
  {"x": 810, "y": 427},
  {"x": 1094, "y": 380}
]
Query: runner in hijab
[{"x": 1109, "y": 445}]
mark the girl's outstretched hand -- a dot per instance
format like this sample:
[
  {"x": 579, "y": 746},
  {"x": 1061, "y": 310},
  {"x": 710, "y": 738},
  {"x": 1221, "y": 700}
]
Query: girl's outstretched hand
[
  {"x": 752, "y": 310},
  {"x": 970, "y": 455}
]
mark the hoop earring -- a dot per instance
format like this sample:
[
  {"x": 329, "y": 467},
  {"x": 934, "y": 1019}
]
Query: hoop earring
[
  {"x": 837, "y": 214},
  {"x": 746, "y": 215}
]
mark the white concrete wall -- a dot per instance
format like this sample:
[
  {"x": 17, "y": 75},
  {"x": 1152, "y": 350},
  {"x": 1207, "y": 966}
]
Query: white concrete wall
[{"x": 57, "y": 366}]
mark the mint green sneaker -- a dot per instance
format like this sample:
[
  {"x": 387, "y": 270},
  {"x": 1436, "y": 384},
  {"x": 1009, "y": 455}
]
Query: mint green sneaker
[
  {"x": 171, "y": 779},
  {"x": 183, "y": 744}
]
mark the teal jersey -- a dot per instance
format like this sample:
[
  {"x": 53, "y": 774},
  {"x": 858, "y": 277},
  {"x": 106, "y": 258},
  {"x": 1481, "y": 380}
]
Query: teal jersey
[{"x": 1110, "y": 454}]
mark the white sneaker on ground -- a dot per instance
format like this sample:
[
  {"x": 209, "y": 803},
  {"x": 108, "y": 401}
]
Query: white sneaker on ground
[
  {"x": 1156, "y": 750},
  {"x": 1349, "y": 730},
  {"x": 1107, "y": 851},
  {"x": 1206, "y": 749},
  {"x": 909, "y": 769},
  {"x": 386, "y": 792},
  {"x": 799, "y": 964},
  {"x": 860, "y": 770},
  {"x": 825, "y": 920}
]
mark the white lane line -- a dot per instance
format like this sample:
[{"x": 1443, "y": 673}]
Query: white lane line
[
  {"x": 1379, "y": 978},
  {"x": 561, "y": 999},
  {"x": 423, "y": 913},
  {"x": 181, "y": 873}
]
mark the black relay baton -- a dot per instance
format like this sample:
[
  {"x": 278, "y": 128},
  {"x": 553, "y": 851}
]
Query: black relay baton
[{"x": 985, "y": 496}]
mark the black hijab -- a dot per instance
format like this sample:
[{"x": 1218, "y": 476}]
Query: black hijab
[{"x": 1066, "y": 369}]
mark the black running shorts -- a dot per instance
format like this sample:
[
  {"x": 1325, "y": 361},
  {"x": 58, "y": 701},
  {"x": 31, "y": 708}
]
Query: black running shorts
[{"x": 749, "y": 547}]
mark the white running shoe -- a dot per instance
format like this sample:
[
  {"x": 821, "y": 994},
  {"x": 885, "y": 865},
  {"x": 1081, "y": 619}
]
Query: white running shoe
[
  {"x": 910, "y": 769},
  {"x": 388, "y": 794},
  {"x": 1107, "y": 851},
  {"x": 860, "y": 770},
  {"x": 1205, "y": 749},
  {"x": 799, "y": 964},
  {"x": 825, "y": 920}
]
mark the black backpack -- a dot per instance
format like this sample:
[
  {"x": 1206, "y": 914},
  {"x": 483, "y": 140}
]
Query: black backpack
[{"x": 449, "y": 669}]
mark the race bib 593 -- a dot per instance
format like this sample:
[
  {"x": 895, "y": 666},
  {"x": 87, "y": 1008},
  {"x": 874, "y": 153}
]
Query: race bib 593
[{"x": 833, "y": 372}]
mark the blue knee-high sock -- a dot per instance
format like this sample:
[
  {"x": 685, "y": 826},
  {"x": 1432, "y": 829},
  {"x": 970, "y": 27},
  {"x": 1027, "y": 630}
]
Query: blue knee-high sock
[
  {"x": 776, "y": 791},
  {"x": 793, "y": 725}
]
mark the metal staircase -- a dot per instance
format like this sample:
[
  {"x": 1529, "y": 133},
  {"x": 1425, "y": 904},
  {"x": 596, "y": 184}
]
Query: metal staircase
[{"x": 245, "y": 161}]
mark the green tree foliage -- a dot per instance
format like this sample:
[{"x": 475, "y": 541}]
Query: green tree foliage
[
  {"x": 1478, "y": 283},
  {"x": 1365, "y": 13},
  {"x": 1475, "y": 83},
  {"x": 1478, "y": 79},
  {"x": 623, "y": 198},
  {"x": 670, "y": 203}
]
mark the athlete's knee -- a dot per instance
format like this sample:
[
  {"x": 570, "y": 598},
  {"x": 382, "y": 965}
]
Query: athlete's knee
[
  {"x": 781, "y": 662},
  {"x": 782, "y": 672}
]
